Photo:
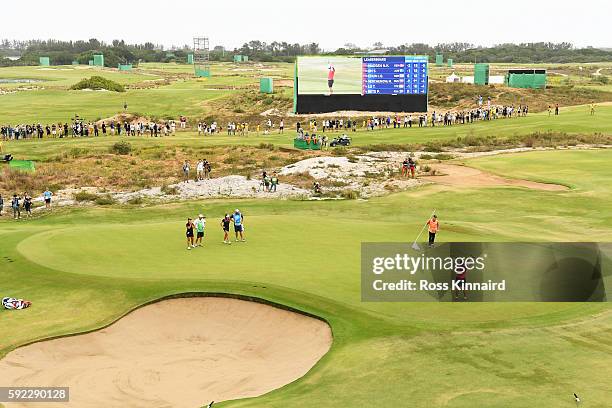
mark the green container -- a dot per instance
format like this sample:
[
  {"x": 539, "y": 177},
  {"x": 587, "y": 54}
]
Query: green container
[
  {"x": 449, "y": 62},
  {"x": 237, "y": 58},
  {"x": 439, "y": 60},
  {"x": 529, "y": 78},
  {"x": 304, "y": 145},
  {"x": 44, "y": 61},
  {"x": 98, "y": 60},
  {"x": 481, "y": 74},
  {"x": 266, "y": 85},
  {"x": 125, "y": 67},
  {"x": 245, "y": 58},
  {"x": 22, "y": 165},
  {"x": 202, "y": 72},
  {"x": 190, "y": 58}
]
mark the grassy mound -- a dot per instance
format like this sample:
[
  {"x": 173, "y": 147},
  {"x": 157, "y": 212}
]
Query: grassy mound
[
  {"x": 98, "y": 82},
  {"x": 463, "y": 96}
]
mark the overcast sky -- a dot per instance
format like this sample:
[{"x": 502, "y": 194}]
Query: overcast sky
[{"x": 327, "y": 22}]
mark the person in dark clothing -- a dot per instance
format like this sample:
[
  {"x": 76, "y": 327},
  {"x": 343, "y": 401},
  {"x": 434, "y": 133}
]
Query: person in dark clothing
[
  {"x": 189, "y": 233},
  {"x": 225, "y": 225}
]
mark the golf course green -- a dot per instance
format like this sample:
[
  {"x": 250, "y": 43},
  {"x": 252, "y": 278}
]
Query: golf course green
[{"x": 84, "y": 267}]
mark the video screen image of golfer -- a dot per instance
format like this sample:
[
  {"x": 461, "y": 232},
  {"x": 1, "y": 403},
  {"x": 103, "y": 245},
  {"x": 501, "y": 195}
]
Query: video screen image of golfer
[{"x": 330, "y": 75}]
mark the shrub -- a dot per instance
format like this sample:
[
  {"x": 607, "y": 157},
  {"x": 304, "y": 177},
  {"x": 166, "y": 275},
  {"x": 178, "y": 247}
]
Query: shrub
[
  {"x": 122, "y": 148},
  {"x": 268, "y": 146},
  {"x": 433, "y": 147},
  {"x": 105, "y": 199},
  {"x": 136, "y": 200},
  {"x": 349, "y": 194},
  {"x": 98, "y": 82},
  {"x": 339, "y": 151},
  {"x": 85, "y": 196},
  {"x": 337, "y": 183},
  {"x": 169, "y": 190}
]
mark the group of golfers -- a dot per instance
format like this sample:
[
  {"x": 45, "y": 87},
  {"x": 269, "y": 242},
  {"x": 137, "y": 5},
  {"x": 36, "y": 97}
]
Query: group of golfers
[{"x": 195, "y": 229}]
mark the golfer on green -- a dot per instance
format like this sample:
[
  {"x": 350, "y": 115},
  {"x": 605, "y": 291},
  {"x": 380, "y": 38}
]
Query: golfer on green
[
  {"x": 433, "y": 226},
  {"x": 238, "y": 219},
  {"x": 200, "y": 224}
]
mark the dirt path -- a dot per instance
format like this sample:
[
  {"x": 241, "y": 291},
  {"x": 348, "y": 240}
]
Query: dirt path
[
  {"x": 463, "y": 176},
  {"x": 175, "y": 353}
]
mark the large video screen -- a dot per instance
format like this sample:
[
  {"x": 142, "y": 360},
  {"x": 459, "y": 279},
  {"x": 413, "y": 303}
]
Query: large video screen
[
  {"x": 388, "y": 75},
  {"x": 361, "y": 83}
]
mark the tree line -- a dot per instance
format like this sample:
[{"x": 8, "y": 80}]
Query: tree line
[{"x": 118, "y": 51}]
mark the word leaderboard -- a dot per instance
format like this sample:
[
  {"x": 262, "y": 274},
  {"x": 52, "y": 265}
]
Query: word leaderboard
[{"x": 394, "y": 75}]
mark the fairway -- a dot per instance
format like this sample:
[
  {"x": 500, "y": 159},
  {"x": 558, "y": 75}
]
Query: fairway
[
  {"x": 377, "y": 340},
  {"x": 162, "y": 91}
]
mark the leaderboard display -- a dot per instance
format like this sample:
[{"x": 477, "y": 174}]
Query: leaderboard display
[
  {"x": 386, "y": 83},
  {"x": 394, "y": 75}
]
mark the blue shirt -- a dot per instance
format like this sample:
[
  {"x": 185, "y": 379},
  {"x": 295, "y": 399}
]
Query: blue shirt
[
  {"x": 47, "y": 194},
  {"x": 237, "y": 219}
]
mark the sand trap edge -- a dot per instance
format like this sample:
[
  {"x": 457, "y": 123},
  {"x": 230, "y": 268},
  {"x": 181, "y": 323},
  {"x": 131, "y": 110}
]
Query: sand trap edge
[{"x": 184, "y": 295}]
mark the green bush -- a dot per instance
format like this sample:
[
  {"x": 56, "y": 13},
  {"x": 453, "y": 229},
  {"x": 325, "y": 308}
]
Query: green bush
[
  {"x": 267, "y": 146},
  {"x": 98, "y": 82},
  {"x": 433, "y": 147},
  {"x": 349, "y": 194},
  {"x": 122, "y": 148},
  {"x": 339, "y": 151},
  {"x": 104, "y": 200},
  {"x": 136, "y": 200},
  {"x": 169, "y": 190},
  {"x": 443, "y": 156},
  {"x": 85, "y": 196}
]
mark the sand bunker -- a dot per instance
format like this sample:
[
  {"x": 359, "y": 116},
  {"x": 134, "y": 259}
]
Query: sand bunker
[
  {"x": 175, "y": 353},
  {"x": 463, "y": 176}
]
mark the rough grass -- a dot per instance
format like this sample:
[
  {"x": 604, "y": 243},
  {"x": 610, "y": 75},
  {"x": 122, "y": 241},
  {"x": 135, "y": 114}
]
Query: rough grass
[
  {"x": 153, "y": 165},
  {"x": 462, "y": 96}
]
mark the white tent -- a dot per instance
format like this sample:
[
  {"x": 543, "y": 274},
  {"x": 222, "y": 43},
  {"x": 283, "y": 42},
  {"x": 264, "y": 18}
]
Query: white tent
[{"x": 453, "y": 78}]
